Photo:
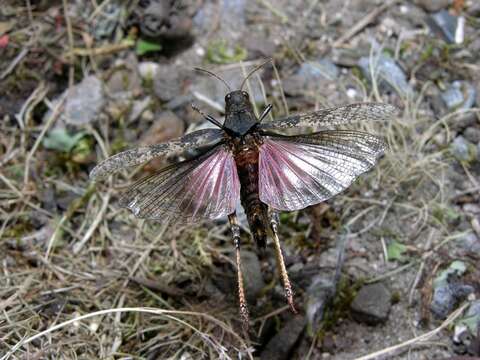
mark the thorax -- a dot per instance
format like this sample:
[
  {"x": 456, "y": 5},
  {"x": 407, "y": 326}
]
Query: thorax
[{"x": 246, "y": 149}]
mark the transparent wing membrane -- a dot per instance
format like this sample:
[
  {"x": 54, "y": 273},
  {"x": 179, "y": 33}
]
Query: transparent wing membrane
[
  {"x": 203, "y": 188},
  {"x": 299, "y": 171}
]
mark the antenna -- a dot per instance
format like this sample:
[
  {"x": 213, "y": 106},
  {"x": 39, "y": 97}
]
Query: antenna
[
  {"x": 215, "y": 76},
  {"x": 253, "y": 71}
]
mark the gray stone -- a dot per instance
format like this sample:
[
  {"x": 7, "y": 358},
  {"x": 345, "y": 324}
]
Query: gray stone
[
  {"x": 447, "y": 296},
  {"x": 474, "y": 9},
  {"x": 167, "y": 82},
  {"x": 252, "y": 273},
  {"x": 463, "y": 150},
  {"x": 372, "y": 304},
  {"x": 84, "y": 101},
  {"x": 473, "y": 209},
  {"x": 321, "y": 68},
  {"x": 231, "y": 15},
  {"x": 125, "y": 82},
  {"x": 449, "y": 290},
  {"x": 472, "y": 134},
  {"x": 346, "y": 57},
  {"x": 281, "y": 345},
  {"x": 459, "y": 95},
  {"x": 310, "y": 77},
  {"x": 167, "y": 126},
  {"x": 432, "y": 5},
  {"x": 138, "y": 108},
  {"x": 444, "y": 24},
  {"x": 389, "y": 74},
  {"x": 258, "y": 46},
  {"x": 470, "y": 243},
  {"x": 164, "y": 21},
  {"x": 106, "y": 21}
]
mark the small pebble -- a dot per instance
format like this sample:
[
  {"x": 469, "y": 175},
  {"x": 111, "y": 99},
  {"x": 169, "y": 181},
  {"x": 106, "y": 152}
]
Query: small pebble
[
  {"x": 351, "y": 93},
  {"x": 372, "y": 304},
  {"x": 403, "y": 9},
  {"x": 200, "y": 51}
]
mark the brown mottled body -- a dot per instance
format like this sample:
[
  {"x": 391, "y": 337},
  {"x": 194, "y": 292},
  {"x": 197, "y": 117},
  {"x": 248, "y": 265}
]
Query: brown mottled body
[{"x": 246, "y": 154}]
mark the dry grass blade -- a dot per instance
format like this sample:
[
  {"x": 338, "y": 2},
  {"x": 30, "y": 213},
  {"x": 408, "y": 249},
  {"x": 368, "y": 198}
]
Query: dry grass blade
[{"x": 171, "y": 314}]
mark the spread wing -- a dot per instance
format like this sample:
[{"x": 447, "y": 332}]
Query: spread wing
[
  {"x": 334, "y": 116},
  {"x": 133, "y": 157},
  {"x": 206, "y": 187},
  {"x": 299, "y": 171}
]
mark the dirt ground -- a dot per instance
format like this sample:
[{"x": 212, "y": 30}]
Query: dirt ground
[{"x": 82, "y": 278}]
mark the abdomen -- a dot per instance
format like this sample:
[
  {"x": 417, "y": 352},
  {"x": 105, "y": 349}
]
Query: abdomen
[{"x": 246, "y": 158}]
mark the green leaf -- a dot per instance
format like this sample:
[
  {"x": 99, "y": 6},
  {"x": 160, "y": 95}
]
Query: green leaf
[
  {"x": 144, "y": 47},
  {"x": 220, "y": 52},
  {"x": 471, "y": 323},
  {"x": 61, "y": 140},
  {"x": 396, "y": 251},
  {"x": 81, "y": 151},
  {"x": 456, "y": 267}
]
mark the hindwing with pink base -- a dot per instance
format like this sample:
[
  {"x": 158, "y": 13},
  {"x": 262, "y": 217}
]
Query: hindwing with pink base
[{"x": 299, "y": 171}]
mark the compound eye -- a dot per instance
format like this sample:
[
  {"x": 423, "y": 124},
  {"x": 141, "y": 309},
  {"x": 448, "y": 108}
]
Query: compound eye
[
  {"x": 245, "y": 94},
  {"x": 228, "y": 96}
]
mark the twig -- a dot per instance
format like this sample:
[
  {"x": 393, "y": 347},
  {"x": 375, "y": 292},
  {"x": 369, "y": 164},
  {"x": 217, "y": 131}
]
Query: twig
[
  {"x": 54, "y": 235},
  {"x": 417, "y": 339},
  {"x": 98, "y": 218},
  {"x": 29, "y": 10},
  {"x": 98, "y": 10},
  {"x": 37, "y": 94},
  {"x": 116, "y": 328},
  {"x": 422, "y": 266},
  {"x": 362, "y": 23},
  {"x": 391, "y": 273},
  {"x": 50, "y": 121},
  {"x": 14, "y": 63},
  {"x": 283, "y": 18},
  {"x": 104, "y": 50},
  {"x": 71, "y": 69},
  {"x": 385, "y": 250},
  {"x": 470, "y": 176},
  {"x": 24, "y": 114}
]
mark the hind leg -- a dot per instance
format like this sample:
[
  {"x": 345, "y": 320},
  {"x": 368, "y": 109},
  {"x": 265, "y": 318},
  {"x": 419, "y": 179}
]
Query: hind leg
[
  {"x": 241, "y": 290},
  {"x": 281, "y": 263}
]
